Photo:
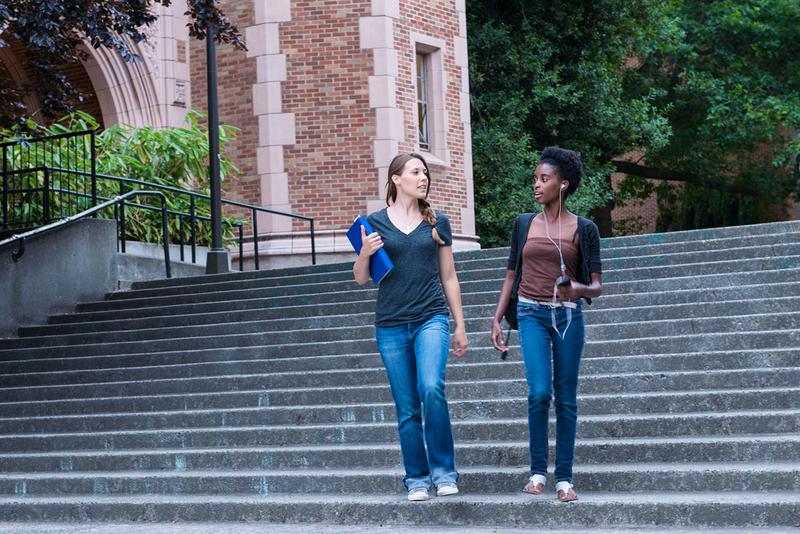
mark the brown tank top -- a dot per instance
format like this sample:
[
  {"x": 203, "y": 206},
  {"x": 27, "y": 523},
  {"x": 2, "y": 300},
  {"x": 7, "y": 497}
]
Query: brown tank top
[{"x": 541, "y": 266}]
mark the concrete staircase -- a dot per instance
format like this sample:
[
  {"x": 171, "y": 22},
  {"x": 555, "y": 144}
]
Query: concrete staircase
[{"x": 259, "y": 397}]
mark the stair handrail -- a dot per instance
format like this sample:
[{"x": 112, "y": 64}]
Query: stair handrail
[
  {"x": 20, "y": 238},
  {"x": 192, "y": 215}
]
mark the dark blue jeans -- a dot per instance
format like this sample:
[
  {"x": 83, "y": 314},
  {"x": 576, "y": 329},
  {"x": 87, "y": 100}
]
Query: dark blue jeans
[
  {"x": 551, "y": 369},
  {"x": 415, "y": 357}
]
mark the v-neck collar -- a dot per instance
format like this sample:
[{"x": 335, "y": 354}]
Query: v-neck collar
[{"x": 388, "y": 218}]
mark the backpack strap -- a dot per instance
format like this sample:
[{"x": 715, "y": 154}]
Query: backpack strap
[{"x": 524, "y": 221}]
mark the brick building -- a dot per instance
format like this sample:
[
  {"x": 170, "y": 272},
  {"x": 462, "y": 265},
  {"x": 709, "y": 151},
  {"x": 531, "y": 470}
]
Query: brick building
[
  {"x": 327, "y": 93},
  {"x": 325, "y": 96}
]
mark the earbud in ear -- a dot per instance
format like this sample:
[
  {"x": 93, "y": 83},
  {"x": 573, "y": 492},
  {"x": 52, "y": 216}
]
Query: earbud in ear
[{"x": 563, "y": 186}]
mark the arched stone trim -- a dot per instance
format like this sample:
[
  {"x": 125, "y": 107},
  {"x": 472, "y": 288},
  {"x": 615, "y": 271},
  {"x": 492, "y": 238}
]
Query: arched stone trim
[{"x": 153, "y": 91}]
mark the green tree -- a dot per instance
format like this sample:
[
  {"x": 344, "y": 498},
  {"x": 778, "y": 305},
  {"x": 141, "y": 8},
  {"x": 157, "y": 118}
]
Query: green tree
[
  {"x": 731, "y": 85},
  {"x": 553, "y": 73},
  {"x": 52, "y": 30}
]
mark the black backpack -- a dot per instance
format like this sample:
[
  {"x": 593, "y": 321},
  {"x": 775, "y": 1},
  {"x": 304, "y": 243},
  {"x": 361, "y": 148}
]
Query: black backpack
[{"x": 510, "y": 314}]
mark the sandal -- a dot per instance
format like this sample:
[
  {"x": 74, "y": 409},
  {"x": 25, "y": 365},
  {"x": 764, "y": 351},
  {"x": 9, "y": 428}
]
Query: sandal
[
  {"x": 535, "y": 485},
  {"x": 565, "y": 492}
]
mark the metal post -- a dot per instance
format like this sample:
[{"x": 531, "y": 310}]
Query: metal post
[
  {"x": 5, "y": 188},
  {"x": 165, "y": 235},
  {"x": 122, "y": 229},
  {"x": 193, "y": 227},
  {"x": 46, "y": 198},
  {"x": 241, "y": 246},
  {"x": 255, "y": 239},
  {"x": 94, "y": 170},
  {"x": 180, "y": 231},
  {"x": 313, "y": 247},
  {"x": 116, "y": 222},
  {"x": 217, "y": 259}
]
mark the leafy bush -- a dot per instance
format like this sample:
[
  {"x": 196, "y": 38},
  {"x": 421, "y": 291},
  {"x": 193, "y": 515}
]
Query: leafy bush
[{"x": 173, "y": 157}]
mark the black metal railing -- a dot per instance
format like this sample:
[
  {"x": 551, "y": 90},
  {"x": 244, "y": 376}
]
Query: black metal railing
[
  {"x": 38, "y": 188},
  {"x": 22, "y": 181},
  {"x": 19, "y": 240}
]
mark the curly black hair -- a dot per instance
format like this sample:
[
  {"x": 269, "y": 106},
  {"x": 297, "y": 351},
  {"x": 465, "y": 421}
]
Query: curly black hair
[{"x": 567, "y": 163}]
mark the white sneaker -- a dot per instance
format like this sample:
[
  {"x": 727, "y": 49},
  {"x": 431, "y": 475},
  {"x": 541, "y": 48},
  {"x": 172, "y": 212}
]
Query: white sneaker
[
  {"x": 446, "y": 488},
  {"x": 418, "y": 494}
]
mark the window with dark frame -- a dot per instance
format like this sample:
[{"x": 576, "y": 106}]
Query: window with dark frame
[{"x": 423, "y": 125}]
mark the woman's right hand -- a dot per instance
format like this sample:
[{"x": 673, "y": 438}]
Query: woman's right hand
[
  {"x": 497, "y": 336},
  {"x": 370, "y": 244}
]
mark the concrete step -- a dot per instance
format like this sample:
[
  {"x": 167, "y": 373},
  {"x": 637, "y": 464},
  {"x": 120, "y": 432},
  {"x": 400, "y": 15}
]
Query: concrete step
[
  {"x": 259, "y": 527},
  {"x": 599, "y": 451},
  {"x": 332, "y": 385},
  {"x": 654, "y": 426},
  {"x": 773, "y": 245},
  {"x": 707, "y": 309},
  {"x": 271, "y": 319},
  {"x": 680, "y": 509},
  {"x": 468, "y": 271},
  {"x": 256, "y": 362},
  {"x": 670, "y": 327},
  {"x": 611, "y": 247},
  {"x": 704, "y": 234},
  {"x": 622, "y": 478},
  {"x": 736, "y": 253},
  {"x": 680, "y": 290},
  {"x": 70, "y": 370},
  {"x": 736, "y": 300},
  {"x": 466, "y": 410},
  {"x": 359, "y": 326},
  {"x": 295, "y": 272},
  {"x": 343, "y": 340},
  {"x": 483, "y": 363},
  {"x": 720, "y": 289},
  {"x": 694, "y": 269},
  {"x": 260, "y": 396},
  {"x": 703, "y": 245},
  {"x": 312, "y": 293},
  {"x": 655, "y": 364}
]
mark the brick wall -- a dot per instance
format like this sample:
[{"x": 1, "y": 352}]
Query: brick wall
[
  {"x": 330, "y": 166},
  {"x": 437, "y": 19},
  {"x": 235, "y": 75},
  {"x": 636, "y": 216}
]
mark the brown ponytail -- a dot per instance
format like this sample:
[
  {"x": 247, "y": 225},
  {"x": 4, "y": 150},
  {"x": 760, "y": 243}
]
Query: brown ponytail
[
  {"x": 430, "y": 216},
  {"x": 396, "y": 168}
]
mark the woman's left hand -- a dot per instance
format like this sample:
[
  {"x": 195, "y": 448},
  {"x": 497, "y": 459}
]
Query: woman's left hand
[
  {"x": 573, "y": 291},
  {"x": 460, "y": 342}
]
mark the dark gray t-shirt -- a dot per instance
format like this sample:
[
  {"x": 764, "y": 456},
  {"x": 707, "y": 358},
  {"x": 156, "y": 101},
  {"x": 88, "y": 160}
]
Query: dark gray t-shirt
[{"x": 412, "y": 292}]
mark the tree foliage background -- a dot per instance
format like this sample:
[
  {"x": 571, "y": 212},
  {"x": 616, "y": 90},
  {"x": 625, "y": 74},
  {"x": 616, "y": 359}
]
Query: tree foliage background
[
  {"x": 731, "y": 90},
  {"x": 705, "y": 92},
  {"x": 52, "y": 32}
]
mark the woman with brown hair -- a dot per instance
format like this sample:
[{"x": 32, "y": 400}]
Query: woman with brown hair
[{"x": 412, "y": 329}]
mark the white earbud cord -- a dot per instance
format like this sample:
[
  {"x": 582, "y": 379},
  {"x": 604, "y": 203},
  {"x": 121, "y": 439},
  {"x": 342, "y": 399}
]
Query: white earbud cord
[{"x": 563, "y": 270}]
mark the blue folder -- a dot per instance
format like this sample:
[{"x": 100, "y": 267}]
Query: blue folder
[{"x": 379, "y": 263}]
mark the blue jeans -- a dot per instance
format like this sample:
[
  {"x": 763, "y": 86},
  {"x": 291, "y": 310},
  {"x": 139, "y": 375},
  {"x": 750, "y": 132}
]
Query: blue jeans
[
  {"x": 415, "y": 356},
  {"x": 541, "y": 347}
]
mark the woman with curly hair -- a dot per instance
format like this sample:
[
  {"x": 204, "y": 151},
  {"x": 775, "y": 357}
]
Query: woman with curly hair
[
  {"x": 553, "y": 264},
  {"x": 412, "y": 329}
]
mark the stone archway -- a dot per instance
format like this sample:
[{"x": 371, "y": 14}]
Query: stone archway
[{"x": 154, "y": 91}]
